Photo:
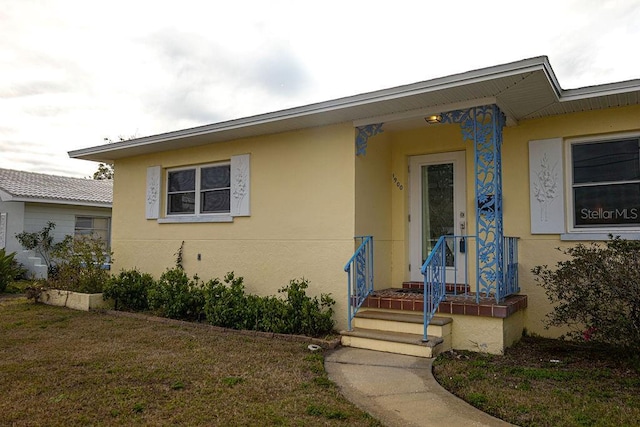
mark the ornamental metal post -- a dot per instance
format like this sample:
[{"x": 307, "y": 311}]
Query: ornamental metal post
[{"x": 483, "y": 125}]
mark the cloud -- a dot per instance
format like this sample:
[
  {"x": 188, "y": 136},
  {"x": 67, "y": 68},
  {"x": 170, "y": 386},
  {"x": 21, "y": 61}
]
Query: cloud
[
  {"x": 31, "y": 88},
  {"x": 204, "y": 82},
  {"x": 279, "y": 73},
  {"x": 36, "y": 157}
]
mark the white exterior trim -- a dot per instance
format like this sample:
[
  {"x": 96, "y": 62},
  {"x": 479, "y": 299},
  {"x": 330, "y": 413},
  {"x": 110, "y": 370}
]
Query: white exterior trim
[
  {"x": 3, "y": 230},
  {"x": 458, "y": 158},
  {"x": 546, "y": 186},
  {"x": 240, "y": 185},
  {"x": 153, "y": 196},
  {"x": 582, "y": 233},
  {"x": 177, "y": 219}
]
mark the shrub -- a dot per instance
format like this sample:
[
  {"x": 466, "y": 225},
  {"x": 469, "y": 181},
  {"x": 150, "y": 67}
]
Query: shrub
[
  {"x": 40, "y": 242},
  {"x": 10, "y": 269},
  {"x": 227, "y": 305},
  {"x": 34, "y": 291},
  {"x": 176, "y": 296},
  {"x": 80, "y": 264},
  {"x": 596, "y": 293},
  {"x": 129, "y": 290},
  {"x": 306, "y": 315}
]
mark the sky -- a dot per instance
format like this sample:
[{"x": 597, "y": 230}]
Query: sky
[{"x": 76, "y": 73}]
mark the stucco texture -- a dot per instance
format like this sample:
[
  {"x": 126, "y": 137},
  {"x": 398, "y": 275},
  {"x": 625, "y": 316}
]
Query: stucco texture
[{"x": 301, "y": 223}]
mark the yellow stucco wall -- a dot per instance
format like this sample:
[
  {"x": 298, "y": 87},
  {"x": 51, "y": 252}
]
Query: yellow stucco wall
[
  {"x": 301, "y": 223},
  {"x": 373, "y": 204},
  {"x": 485, "y": 334}
]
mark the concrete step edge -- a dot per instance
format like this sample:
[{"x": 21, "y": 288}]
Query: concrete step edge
[
  {"x": 402, "y": 317},
  {"x": 398, "y": 337}
]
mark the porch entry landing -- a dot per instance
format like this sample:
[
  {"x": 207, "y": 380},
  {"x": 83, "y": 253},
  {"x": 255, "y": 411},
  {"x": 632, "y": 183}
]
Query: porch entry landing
[{"x": 410, "y": 298}]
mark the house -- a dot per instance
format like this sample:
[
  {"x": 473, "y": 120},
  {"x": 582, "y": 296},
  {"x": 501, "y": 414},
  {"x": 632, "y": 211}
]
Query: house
[
  {"x": 28, "y": 201},
  {"x": 501, "y": 160}
]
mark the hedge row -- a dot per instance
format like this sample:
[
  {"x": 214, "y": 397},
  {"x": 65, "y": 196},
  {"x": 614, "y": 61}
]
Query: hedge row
[{"x": 223, "y": 303}]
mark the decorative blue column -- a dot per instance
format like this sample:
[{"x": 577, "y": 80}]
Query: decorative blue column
[
  {"x": 483, "y": 125},
  {"x": 364, "y": 133}
]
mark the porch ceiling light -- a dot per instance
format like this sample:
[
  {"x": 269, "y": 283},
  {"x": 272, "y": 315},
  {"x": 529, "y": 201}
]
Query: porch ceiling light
[{"x": 433, "y": 119}]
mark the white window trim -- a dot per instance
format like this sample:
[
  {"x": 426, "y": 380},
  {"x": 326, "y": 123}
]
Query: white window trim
[
  {"x": 173, "y": 219},
  {"x": 592, "y": 233},
  {"x": 196, "y": 216},
  {"x": 108, "y": 229}
]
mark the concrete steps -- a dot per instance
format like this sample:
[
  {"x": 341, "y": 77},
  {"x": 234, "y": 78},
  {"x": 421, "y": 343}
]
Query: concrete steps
[
  {"x": 37, "y": 269},
  {"x": 398, "y": 332}
]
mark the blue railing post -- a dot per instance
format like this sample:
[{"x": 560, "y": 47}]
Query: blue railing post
[
  {"x": 434, "y": 271},
  {"x": 510, "y": 269},
  {"x": 359, "y": 271}
]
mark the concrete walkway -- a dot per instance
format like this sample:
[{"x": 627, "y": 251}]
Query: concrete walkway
[{"x": 400, "y": 390}]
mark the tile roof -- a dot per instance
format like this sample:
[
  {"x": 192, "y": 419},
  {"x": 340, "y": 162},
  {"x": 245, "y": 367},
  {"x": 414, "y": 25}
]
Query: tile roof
[{"x": 30, "y": 186}]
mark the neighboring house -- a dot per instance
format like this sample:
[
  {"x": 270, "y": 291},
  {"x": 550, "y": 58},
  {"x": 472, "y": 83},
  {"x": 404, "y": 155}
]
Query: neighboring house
[
  {"x": 28, "y": 201},
  {"x": 495, "y": 152}
]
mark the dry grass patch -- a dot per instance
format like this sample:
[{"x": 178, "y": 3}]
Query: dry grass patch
[
  {"x": 63, "y": 367},
  {"x": 544, "y": 382}
]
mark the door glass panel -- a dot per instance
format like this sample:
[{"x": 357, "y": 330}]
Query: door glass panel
[{"x": 437, "y": 208}]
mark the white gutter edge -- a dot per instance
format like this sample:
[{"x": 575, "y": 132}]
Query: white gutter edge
[{"x": 62, "y": 202}]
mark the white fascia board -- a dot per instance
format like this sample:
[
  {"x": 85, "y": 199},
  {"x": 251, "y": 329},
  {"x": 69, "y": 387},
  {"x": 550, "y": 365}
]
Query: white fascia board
[
  {"x": 601, "y": 90},
  {"x": 5, "y": 197},
  {"x": 551, "y": 76},
  {"x": 62, "y": 202},
  {"x": 455, "y": 80}
]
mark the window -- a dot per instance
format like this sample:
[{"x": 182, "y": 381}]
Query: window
[
  {"x": 199, "y": 190},
  {"x": 214, "y": 192},
  {"x": 94, "y": 226},
  {"x": 605, "y": 184}
]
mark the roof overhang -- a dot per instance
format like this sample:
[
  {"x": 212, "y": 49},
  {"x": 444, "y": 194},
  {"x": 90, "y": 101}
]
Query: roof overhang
[
  {"x": 7, "y": 197},
  {"x": 62, "y": 202},
  {"x": 523, "y": 90}
]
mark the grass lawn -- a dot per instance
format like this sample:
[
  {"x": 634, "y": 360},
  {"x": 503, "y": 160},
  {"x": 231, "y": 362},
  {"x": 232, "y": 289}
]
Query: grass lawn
[
  {"x": 544, "y": 382},
  {"x": 64, "y": 367}
]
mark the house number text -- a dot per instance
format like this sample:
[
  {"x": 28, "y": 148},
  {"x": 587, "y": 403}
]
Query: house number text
[{"x": 397, "y": 182}]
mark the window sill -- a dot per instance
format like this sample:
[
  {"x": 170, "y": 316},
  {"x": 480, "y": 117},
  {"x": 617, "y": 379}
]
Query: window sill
[
  {"x": 185, "y": 219},
  {"x": 601, "y": 236}
]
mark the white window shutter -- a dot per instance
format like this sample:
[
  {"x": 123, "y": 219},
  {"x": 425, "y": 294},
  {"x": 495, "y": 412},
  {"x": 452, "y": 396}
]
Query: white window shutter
[
  {"x": 546, "y": 186},
  {"x": 240, "y": 180},
  {"x": 153, "y": 192},
  {"x": 3, "y": 230}
]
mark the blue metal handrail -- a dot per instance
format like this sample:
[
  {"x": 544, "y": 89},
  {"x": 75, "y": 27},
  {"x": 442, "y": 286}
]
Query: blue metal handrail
[
  {"x": 361, "y": 275},
  {"x": 510, "y": 266},
  {"x": 435, "y": 277},
  {"x": 434, "y": 272}
]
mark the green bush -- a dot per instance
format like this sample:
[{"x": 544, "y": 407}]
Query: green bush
[
  {"x": 41, "y": 242},
  {"x": 176, "y": 296},
  {"x": 10, "y": 270},
  {"x": 129, "y": 290},
  {"x": 227, "y": 305},
  {"x": 80, "y": 264},
  {"x": 596, "y": 293},
  {"x": 306, "y": 315}
]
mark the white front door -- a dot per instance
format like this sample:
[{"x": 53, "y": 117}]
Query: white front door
[{"x": 437, "y": 207}]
